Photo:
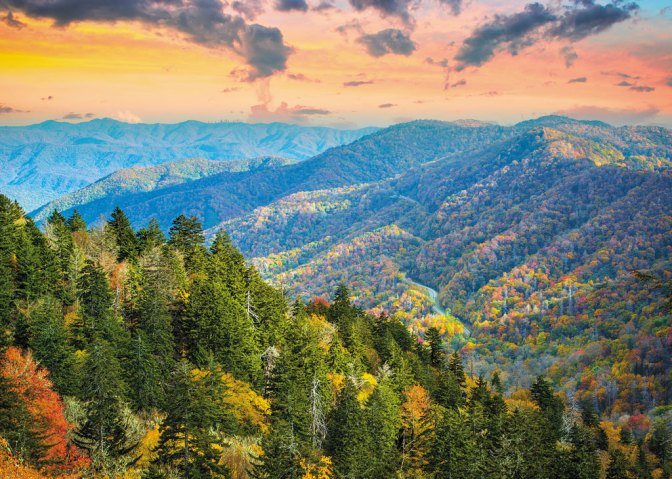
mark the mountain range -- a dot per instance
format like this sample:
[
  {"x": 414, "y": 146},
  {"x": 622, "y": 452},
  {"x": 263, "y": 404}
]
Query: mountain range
[
  {"x": 45, "y": 161},
  {"x": 529, "y": 233}
]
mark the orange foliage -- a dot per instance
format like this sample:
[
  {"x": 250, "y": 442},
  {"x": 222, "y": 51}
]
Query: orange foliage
[{"x": 45, "y": 408}]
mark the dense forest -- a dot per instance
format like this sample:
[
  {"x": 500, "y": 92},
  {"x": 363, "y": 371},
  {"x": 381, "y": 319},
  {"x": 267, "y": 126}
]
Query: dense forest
[{"x": 132, "y": 354}]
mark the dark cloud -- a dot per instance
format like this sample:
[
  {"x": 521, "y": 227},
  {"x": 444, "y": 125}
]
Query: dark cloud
[
  {"x": 230, "y": 90},
  {"x": 10, "y": 20},
  {"x": 389, "y": 41},
  {"x": 310, "y": 111},
  {"x": 302, "y": 77},
  {"x": 388, "y": 8},
  {"x": 569, "y": 55},
  {"x": 291, "y": 5},
  {"x": 590, "y": 18},
  {"x": 249, "y": 9},
  {"x": 536, "y": 22},
  {"x": 77, "y": 116},
  {"x": 358, "y": 82},
  {"x": 578, "y": 80},
  {"x": 625, "y": 83},
  {"x": 443, "y": 63},
  {"x": 454, "y": 5},
  {"x": 668, "y": 81},
  {"x": 48, "y": 98},
  {"x": 351, "y": 25},
  {"x": 324, "y": 6},
  {"x": 642, "y": 88},
  {"x": 387, "y": 105},
  {"x": 609, "y": 115},
  {"x": 8, "y": 109},
  {"x": 201, "y": 21},
  {"x": 511, "y": 32}
]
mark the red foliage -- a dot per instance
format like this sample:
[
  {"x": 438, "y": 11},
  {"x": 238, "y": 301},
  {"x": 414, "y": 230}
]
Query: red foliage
[{"x": 45, "y": 408}]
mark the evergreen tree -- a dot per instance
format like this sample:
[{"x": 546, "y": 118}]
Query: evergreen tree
[
  {"x": 186, "y": 235},
  {"x": 456, "y": 368},
  {"x": 76, "y": 223},
  {"x": 383, "y": 421},
  {"x": 150, "y": 237},
  {"x": 618, "y": 466},
  {"x": 123, "y": 234},
  {"x": 104, "y": 434},
  {"x": 188, "y": 444},
  {"x": 348, "y": 443},
  {"x": 433, "y": 337},
  {"x": 551, "y": 405},
  {"x": 217, "y": 325}
]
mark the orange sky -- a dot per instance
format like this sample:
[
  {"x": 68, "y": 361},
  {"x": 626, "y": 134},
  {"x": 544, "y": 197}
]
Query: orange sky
[{"x": 150, "y": 72}]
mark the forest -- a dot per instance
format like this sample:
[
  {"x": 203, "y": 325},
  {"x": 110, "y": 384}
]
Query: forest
[{"x": 136, "y": 354}]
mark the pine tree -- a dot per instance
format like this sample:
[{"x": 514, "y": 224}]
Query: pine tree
[
  {"x": 104, "y": 435},
  {"x": 188, "y": 444},
  {"x": 618, "y": 466},
  {"x": 383, "y": 422},
  {"x": 551, "y": 405},
  {"x": 186, "y": 235},
  {"x": 348, "y": 443},
  {"x": 217, "y": 325},
  {"x": 433, "y": 337},
  {"x": 456, "y": 368},
  {"x": 123, "y": 234},
  {"x": 76, "y": 223},
  {"x": 150, "y": 237}
]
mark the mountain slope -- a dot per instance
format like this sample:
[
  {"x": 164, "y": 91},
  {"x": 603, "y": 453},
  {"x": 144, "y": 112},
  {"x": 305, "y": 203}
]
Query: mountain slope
[
  {"x": 117, "y": 186},
  {"x": 42, "y": 162}
]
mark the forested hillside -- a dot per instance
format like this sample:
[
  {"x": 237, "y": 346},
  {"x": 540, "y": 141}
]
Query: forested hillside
[
  {"x": 45, "y": 161},
  {"x": 135, "y": 354}
]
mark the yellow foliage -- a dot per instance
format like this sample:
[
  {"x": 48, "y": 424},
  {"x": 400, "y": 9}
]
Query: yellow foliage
[
  {"x": 240, "y": 454},
  {"x": 337, "y": 380},
  {"x": 247, "y": 406},
  {"x": 369, "y": 383},
  {"x": 148, "y": 445},
  {"x": 323, "y": 469}
]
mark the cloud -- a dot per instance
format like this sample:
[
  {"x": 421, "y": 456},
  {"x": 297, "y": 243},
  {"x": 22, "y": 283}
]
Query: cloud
[
  {"x": 642, "y": 88},
  {"x": 302, "y": 77},
  {"x": 610, "y": 115},
  {"x": 456, "y": 84},
  {"x": 291, "y": 5},
  {"x": 578, "y": 80},
  {"x": 8, "y": 109},
  {"x": 249, "y": 9},
  {"x": 201, "y": 21},
  {"x": 230, "y": 90},
  {"x": 537, "y": 22},
  {"x": 387, "y": 105},
  {"x": 388, "y": 8},
  {"x": 668, "y": 81},
  {"x": 48, "y": 98},
  {"x": 569, "y": 55},
  {"x": 127, "y": 117},
  {"x": 77, "y": 116},
  {"x": 454, "y": 5},
  {"x": 285, "y": 113},
  {"x": 10, "y": 20},
  {"x": 358, "y": 83},
  {"x": 512, "y": 32},
  {"x": 389, "y": 41},
  {"x": 627, "y": 76},
  {"x": 443, "y": 63},
  {"x": 625, "y": 83},
  {"x": 590, "y": 19}
]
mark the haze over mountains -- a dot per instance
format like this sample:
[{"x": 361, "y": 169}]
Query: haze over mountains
[{"x": 44, "y": 161}]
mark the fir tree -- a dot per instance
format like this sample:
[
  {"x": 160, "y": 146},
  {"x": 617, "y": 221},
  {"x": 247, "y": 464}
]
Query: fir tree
[
  {"x": 76, "y": 223},
  {"x": 123, "y": 234}
]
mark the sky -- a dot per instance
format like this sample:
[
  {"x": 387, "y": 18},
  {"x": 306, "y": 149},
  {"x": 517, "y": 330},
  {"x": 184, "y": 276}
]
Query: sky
[{"x": 338, "y": 63}]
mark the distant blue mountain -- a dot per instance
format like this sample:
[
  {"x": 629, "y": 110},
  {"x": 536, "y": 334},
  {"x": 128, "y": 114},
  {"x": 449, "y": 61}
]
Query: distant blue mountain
[{"x": 44, "y": 161}]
